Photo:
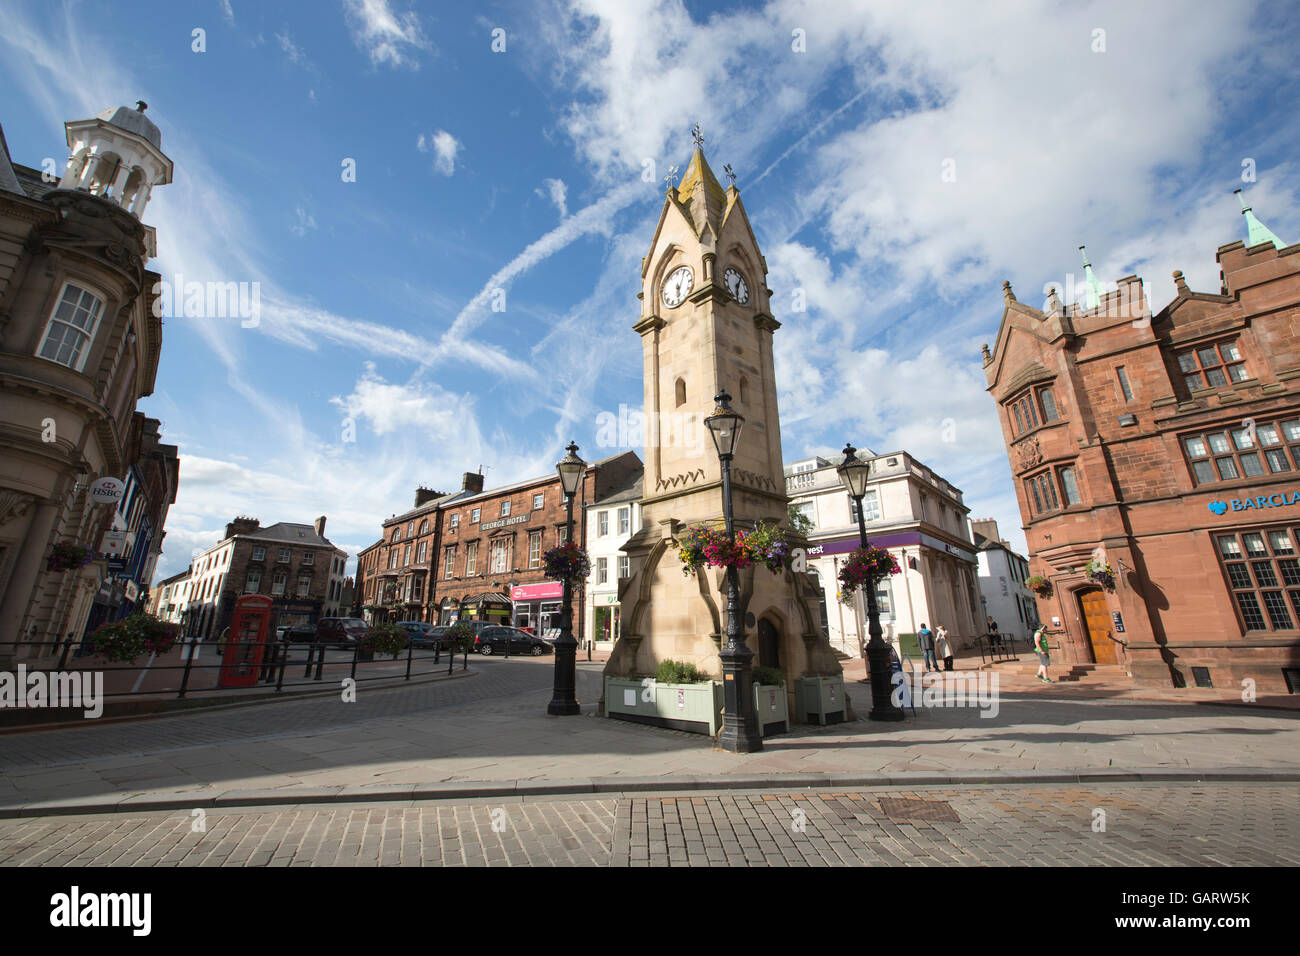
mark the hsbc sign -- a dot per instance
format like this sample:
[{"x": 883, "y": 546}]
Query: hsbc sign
[{"x": 107, "y": 491}]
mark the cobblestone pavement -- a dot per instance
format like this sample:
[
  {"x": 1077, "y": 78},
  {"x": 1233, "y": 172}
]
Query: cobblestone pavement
[
  {"x": 1125, "y": 825},
  {"x": 491, "y": 726}
]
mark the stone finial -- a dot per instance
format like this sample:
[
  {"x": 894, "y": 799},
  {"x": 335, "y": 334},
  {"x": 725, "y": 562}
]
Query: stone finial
[
  {"x": 1053, "y": 301},
  {"x": 1007, "y": 294},
  {"x": 1180, "y": 282},
  {"x": 988, "y": 356}
]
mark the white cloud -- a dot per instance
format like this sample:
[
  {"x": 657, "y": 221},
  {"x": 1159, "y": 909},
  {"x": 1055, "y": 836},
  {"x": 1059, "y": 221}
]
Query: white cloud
[
  {"x": 386, "y": 37},
  {"x": 444, "y": 147},
  {"x": 304, "y": 224},
  {"x": 226, "y": 12},
  {"x": 296, "y": 56},
  {"x": 555, "y": 191}
]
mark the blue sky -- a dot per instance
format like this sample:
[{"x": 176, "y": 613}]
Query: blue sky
[{"x": 522, "y": 170}]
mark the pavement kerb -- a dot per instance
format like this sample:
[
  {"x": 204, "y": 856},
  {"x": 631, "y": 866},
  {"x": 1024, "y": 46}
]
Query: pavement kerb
[
  {"x": 198, "y": 706},
  {"x": 635, "y": 786}
]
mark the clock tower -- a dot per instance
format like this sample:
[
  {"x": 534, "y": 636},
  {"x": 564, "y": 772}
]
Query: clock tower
[{"x": 706, "y": 327}]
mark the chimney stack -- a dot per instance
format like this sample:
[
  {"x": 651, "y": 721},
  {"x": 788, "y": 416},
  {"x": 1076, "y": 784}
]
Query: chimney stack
[
  {"x": 242, "y": 525},
  {"x": 472, "y": 481},
  {"x": 320, "y": 526},
  {"x": 423, "y": 494},
  {"x": 986, "y": 528}
]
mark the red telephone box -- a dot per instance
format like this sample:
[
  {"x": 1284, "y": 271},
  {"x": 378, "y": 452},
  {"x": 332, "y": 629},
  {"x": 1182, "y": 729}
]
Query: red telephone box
[{"x": 249, "y": 627}]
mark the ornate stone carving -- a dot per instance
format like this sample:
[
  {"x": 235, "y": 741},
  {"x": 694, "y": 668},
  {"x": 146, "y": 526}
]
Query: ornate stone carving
[
  {"x": 1028, "y": 454},
  {"x": 13, "y": 505},
  {"x": 683, "y": 479}
]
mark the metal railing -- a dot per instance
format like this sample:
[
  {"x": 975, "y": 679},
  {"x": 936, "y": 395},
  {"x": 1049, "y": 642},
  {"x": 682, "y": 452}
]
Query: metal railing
[
  {"x": 280, "y": 660},
  {"x": 997, "y": 648}
]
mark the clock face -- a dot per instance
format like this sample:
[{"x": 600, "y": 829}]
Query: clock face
[
  {"x": 678, "y": 286},
  {"x": 736, "y": 285}
]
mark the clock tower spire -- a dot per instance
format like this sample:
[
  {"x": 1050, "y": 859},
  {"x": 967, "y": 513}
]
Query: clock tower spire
[{"x": 706, "y": 327}]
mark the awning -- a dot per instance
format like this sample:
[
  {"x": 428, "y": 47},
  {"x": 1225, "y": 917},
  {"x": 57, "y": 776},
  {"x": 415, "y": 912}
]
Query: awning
[{"x": 486, "y": 597}]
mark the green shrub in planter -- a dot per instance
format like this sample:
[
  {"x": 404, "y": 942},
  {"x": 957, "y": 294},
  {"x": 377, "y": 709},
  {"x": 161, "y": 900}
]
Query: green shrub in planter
[
  {"x": 768, "y": 675},
  {"x": 677, "y": 672},
  {"x": 385, "y": 639}
]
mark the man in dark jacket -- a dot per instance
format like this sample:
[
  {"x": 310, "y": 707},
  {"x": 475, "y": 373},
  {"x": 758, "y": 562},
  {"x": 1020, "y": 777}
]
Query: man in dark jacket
[{"x": 926, "y": 638}]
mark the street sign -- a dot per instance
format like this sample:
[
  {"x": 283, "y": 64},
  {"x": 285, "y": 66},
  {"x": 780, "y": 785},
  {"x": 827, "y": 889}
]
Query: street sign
[{"x": 107, "y": 491}]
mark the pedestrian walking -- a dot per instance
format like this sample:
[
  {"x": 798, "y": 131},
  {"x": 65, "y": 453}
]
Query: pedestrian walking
[
  {"x": 926, "y": 638},
  {"x": 942, "y": 647},
  {"x": 1044, "y": 658},
  {"x": 995, "y": 639}
]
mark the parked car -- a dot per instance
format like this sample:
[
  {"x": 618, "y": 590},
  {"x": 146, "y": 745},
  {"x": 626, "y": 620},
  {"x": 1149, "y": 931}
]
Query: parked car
[
  {"x": 341, "y": 630},
  {"x": 420, "y": 633},
  {"x": 299, "y": 634},
  {"x": 495, "y": 639}
]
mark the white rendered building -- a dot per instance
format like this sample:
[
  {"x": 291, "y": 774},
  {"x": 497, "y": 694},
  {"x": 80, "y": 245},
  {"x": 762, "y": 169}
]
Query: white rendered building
[
  {"x": 1002, "y": 575},
  {"x": 610, "y": 522},
  {"x": 920, "y": 518}
]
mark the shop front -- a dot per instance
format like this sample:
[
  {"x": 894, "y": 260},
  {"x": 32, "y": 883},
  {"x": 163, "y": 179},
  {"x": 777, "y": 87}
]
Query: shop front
[
  {"x": 538, "y": 607},
  {"x": 490, "y": 606},
  {"x": 604, "y": 617}
]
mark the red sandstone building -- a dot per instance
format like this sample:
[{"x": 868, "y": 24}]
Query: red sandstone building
[{"x": 1173, "y": 443}]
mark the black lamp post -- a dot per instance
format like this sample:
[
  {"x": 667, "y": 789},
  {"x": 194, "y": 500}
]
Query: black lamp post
[
  {"x": 853, "y": 472},
  {"x": 740, "y": 732},
  {"x": 564, "y": 701}
]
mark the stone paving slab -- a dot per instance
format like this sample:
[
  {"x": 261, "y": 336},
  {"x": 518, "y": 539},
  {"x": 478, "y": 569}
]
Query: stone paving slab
[
  {"x": 490, "y": 735},
  {"x": 1142, "y": 824}
]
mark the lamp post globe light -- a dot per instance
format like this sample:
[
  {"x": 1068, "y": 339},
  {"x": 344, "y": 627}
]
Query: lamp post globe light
[
  {"x": 740, "y": 732},
  {"x": 853, "y": 472},
  {"x": 563, "y": 699}
]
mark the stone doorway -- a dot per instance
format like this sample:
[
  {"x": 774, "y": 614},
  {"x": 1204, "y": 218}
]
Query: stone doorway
[
  {"x": 769, "y": 644},
  {"x": 1096, "y": 624}
]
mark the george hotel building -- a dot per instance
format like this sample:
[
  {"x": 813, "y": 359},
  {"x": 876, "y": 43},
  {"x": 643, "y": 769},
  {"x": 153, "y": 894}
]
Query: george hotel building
[{"x": 1167, "y": 446}]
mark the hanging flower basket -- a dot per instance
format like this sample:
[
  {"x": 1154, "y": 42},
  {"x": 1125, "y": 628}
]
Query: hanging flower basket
[
  {"x": 702, "y": 546},
  {"x": 68, "y": 557},
  {"x": 125, "y": 640},
  {"x": 567, "y": 562},
  {"x": 862, "y": 567},
  {"x": 1038, "y": 584},
  {"x": 1102, "y": 574}
]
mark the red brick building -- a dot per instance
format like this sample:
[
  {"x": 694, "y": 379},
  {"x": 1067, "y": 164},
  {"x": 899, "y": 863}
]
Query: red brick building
[
  {"x": 476, "y": 555},
  {"x": 1169, "y": 447}
]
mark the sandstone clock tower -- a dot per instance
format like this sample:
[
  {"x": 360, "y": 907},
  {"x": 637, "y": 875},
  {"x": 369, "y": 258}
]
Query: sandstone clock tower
[{"x": 706, "y": 327}]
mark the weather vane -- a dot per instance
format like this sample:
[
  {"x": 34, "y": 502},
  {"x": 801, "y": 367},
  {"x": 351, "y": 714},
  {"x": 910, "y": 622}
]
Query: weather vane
[
  {"x": 731, "y": 177},
  {"x": 697, "y": 136},
  {"x": 671, "y": 178}
]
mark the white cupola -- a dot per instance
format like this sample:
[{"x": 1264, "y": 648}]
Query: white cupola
[{"x": 118, "y": 156}]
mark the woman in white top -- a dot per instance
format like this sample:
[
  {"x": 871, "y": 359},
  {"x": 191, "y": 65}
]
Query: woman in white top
[{"x": 942, "y": 649}]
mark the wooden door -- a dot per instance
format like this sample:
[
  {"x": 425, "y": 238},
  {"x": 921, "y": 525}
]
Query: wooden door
[
  {"x": 769, "y": 644},
  {"x": 1096, "y": 620}
]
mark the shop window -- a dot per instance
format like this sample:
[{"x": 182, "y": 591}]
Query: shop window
[
  {"x": 1260, "y": 567},
  {"x": 1212, "y": 366}
]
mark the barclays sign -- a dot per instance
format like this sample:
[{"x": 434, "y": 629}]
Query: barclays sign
[{"x": 1279, "y": 500}]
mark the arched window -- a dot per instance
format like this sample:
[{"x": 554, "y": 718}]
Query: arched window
[
  {"x": 681, "y": 392},
  {"x": 424, "y": 526},
  {"x": 744, "y": 390},
  {"x": 397, "y": 533}
]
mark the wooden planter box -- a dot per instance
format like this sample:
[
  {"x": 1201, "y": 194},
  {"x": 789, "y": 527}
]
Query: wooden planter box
[
  {"x": 772, "y": 710},
  {"x": 819, "y": 700},
  {"x": 696, "y": 708}
]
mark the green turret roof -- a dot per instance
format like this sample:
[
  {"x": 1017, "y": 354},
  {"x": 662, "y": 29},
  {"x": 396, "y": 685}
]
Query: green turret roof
[{"x": 1256, "y": 231}]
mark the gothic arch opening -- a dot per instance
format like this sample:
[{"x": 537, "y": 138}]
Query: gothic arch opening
[{"x": 680, "y": 389}]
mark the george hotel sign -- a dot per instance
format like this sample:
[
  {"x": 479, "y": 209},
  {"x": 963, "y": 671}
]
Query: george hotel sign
[{"x": 489, "y": 525}]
